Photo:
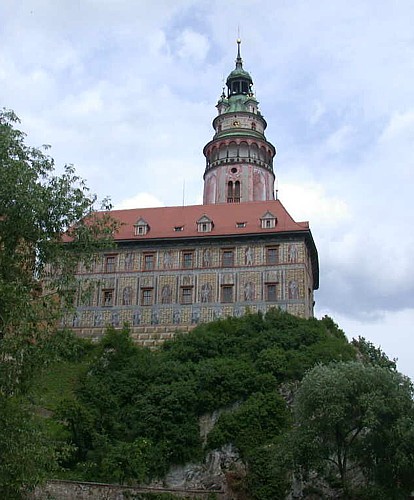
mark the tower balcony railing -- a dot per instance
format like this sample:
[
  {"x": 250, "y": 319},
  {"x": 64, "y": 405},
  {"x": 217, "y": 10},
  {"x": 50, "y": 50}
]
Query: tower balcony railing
[{"x": 237, "y": 159}]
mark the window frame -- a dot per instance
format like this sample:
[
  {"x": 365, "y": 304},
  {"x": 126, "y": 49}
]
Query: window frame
[
  {"x": 147, "y": 296},
  {"x": 225, "y": 261},
  {"x": 187, "y": 259},
  {"x": 110, "y": 263},
  {"x": 268, "y": 223},
  {"x": 271, "y": 261},
  {"x": 186, "y": 295},
  {"x": 271, "y": 286},
  {"x": 147, "y": 258},
  {"x": 227, "y": 289},
  {"x": 108, "y": 293}
]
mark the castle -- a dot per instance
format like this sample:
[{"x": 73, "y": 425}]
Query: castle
[{"x": 174, "y": 267}]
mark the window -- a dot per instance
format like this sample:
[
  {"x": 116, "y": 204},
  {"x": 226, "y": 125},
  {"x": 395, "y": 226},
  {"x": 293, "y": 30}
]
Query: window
[
  {"x": 227, "y": 293},
  {"x": 237, "y": 192},
  {"x": 178, "y": 228},
  {"x": 188, "y": 260},
  {"x": 228, "y": 258},
  {"x": 110, "y": 263},
  {"x": 230, "y": 192},
  {"x": 268, "y": 221},
  {"x": 108, "y": 297},
  {"x": 240, "y": 224},
  {"x": 141, "y": 227},
  {"x": 233, "y": 192},
  {"x": 146, "y": 297},
  {"x": 272, "y": 255},
  {"x": 149, "y": 259},
  {"x": 204, "y": 224},
  {"x": 271, "y": 292},
  {"x": 186, "y": 295}
]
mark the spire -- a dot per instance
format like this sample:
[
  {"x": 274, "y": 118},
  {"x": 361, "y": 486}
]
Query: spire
[
  {"x": 239, "y": 60},
  {"x": 239, "y": 82}
]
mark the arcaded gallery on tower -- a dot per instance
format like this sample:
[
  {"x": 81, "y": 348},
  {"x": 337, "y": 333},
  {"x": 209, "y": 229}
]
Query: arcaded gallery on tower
[{"x": 240, "y": 251}]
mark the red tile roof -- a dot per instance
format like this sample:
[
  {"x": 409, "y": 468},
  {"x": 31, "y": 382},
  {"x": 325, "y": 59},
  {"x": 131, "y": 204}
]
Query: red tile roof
[{"x": 225, "y": 216}]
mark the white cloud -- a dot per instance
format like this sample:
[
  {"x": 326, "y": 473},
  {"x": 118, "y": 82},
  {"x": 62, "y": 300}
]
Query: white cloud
[
  {"x": 400, "y": 123},
  {"x": 193, "y": 46},
  {"x": 309, "y": 201},
  {"x": 140, "y": 200},
  {"x": 339, "y": 139}
]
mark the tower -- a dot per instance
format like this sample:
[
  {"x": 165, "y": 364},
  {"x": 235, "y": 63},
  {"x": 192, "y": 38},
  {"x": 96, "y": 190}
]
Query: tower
[
  {"x": 238, "y": 252},
  {"x": 239, "y": 158}
]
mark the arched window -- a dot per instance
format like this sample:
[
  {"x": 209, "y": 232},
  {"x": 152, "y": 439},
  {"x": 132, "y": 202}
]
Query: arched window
[
  {"x": 254, "y": 152},
  {"x": 237, "y": 192},
  {"x": 232, "y": 150},
  {"x": 230, "y": 192},
  {"x": 243, "y": 149}
]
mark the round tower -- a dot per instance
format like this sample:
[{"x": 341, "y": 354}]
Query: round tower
[{"x": 239, "y": 159}]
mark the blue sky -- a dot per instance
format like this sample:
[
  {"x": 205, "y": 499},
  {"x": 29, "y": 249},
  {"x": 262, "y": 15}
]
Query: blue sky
[{"x": 126, "y": 91}]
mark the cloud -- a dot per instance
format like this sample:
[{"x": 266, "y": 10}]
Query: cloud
[
  {"x": 339, "y": 139},
  {"x": 193, "y": 46},
  {"x": 309, "y": 201},
  {"x": 391, "y": 330},
  {"x": 140, "y": 200}
]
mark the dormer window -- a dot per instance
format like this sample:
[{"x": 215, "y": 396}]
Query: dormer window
[
  {"x": 241, "y": 224},
  {"x": 204, "y": 224},
  {"x": 268, "y": 221},
  {"x": 178, "y": 228},
  {"x": 141, "y": 227}
]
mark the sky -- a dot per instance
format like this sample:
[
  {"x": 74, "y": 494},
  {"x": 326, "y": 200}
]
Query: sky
[{"x": 126, "y": 91}]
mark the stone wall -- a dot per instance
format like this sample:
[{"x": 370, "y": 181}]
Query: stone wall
[{"x": 71, "y": 490}]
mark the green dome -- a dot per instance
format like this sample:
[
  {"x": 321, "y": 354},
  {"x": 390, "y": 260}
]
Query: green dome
[{"x": 239, "y": 73}]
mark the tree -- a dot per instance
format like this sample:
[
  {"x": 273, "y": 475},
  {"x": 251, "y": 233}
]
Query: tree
[
  {"x": 354, "y": 426},
  {"x": 371, "y": 354},
  {"x": 36, "y": 269}
]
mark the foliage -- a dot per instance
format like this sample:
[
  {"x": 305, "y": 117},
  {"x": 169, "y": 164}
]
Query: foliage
[
  {"x": 270, "y": 469},
  {"x": 135, "y": 412},
  {"x": 26, "y": 455},
  {"x": 36, "y": 208},
  {"x": 129, "y": 394},
  {"x": 372, "y": 354},
  {"x": 37, "y": 280},
  {"x": 354, "y": 424},
  {"x": 255, "y": 422}
]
